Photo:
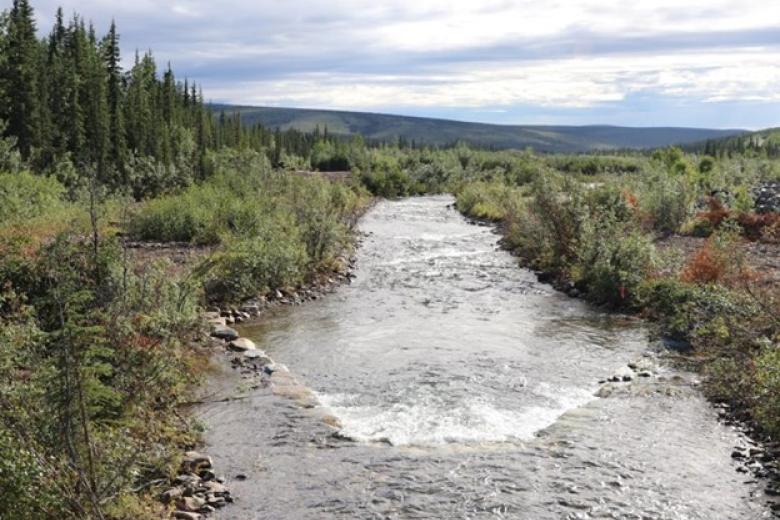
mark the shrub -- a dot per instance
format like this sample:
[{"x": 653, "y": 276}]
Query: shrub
[
  {"x": 613, "y": 260},
  {"x": 667, "y": 200},
  {"x": 24, "y": 195},
  {"x": 274, "y": 259},
  {"x": 491, "y": 201},
  {"x": 767, "y": 407},
  {"x": 717, "y": 260},
  {"x": 174, "y": 218}
]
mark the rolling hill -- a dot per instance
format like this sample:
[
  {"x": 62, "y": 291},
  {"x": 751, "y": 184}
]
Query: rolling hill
[
  {"x": 441, "y": 131},
  {"x": 763, "y": 142}
]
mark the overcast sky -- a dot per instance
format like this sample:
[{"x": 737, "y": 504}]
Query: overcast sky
[{"x": 707, "y": 63}]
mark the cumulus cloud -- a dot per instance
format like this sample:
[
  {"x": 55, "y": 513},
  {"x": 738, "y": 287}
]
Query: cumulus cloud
[{"x": 491, "y": 55}]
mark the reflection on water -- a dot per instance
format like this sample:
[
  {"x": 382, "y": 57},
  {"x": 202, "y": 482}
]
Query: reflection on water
[{"x": 467, "y": 390}]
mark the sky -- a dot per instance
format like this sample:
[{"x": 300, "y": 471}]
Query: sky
[{"x": 701, "y": 63}]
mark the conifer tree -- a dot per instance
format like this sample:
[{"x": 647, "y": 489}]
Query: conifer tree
[
  {"x": 20, "y": 78},
  {"x": 115, "y": 95}
]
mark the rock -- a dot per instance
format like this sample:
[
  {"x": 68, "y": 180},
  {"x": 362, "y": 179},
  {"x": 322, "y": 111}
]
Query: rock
[
  {"x": 187, "y": 515},
  {"x": 220, "y": 321},
  {"x": 257, "y": 361},
  {"x": 186, "y": 480},
  {"x": 240, "y": 476},
  {"x": 224, "y": 332},
  {"x": 216, "y": 488},
  {"x": 211, "y": 315},
  {"x": 736, "y": 454},
  {"x": 194, "y": 461},
  {"x": 171, "y": 494},
  {"x": 624, "y": 374},
  {"x": 207, "y": 474},
  {"x": 251, "y": 308},
  {"x": 190, "y": 504},
  {"x": 645, "y": 373},
  {"x": 241, "y": 345},
  {"x": 278, "y": 294}
]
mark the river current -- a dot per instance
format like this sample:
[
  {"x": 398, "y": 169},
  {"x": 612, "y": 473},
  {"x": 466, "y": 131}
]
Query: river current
[{"x": 463, "y": 388}]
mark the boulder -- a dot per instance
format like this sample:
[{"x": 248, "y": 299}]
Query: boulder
[
  {"x": 241, "y": 345},
  {"x": 190, "y": 504},
  {"x": 224, "y": 332}
]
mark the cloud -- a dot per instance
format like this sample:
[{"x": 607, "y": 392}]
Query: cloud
[{"x": 492, "y": 55}]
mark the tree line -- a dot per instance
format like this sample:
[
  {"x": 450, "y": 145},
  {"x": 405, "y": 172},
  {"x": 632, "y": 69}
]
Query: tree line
[{"x": 71, "y": 111}]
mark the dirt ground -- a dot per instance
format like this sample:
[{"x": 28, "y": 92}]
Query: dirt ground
[{"x": 183, "y": 256}]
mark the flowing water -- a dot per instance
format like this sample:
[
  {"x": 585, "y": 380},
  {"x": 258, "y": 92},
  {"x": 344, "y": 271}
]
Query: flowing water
[{"x": 465, "y": 389}]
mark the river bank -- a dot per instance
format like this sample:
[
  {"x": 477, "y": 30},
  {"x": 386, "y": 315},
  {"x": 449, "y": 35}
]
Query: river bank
[
  {"x": 430, "y": 363},
  {"x": 759, "y": 455},
  {"x": 197, "y": 490}
]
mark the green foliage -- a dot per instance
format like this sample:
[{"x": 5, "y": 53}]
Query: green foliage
[
  {"x": 667, "y": 199},
  {"x": 247, "y": 268},
  {"x": 91, "y": 368},
  {"x": 24, "y": 195},
  {"x": 386, "y": 178},
  {"x": 175, "y": 218},
  {"x": 613, "y": 261},
  {"x": 273, "y": 227},
  {"x": 768, "y": 388},
  {"x": 491, "y": 201}
]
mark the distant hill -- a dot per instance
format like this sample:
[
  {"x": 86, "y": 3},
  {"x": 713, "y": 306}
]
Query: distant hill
[
  {"x": 763, "y": 142},
  {"x": 441, "y": 131}
]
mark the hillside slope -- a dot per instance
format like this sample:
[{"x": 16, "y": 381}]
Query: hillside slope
[
  {"x": 441, "y": 131},
  {"x": 763, "y": 142}
]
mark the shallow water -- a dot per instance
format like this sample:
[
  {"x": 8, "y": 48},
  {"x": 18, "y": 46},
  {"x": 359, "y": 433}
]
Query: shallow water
[{"x": 465, "y": 389}]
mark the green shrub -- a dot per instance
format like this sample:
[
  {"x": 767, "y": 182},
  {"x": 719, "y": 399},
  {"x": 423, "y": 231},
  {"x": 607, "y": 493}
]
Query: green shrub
[
  {"x": 273, "y": 259},
  {"x": 667, "y": 199},
  {"x": 29, "y": 488},
  {"x": 24, "y": 195},
  {"x": 491, "y": 201},
  {"x": 174, "y": 218},
  {"x": 767, "y": 403},
  {"x": 613, "y": 260}
]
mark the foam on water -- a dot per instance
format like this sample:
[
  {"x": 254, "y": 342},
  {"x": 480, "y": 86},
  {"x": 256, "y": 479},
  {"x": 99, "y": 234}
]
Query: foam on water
[{"x": 429, "y": 421}]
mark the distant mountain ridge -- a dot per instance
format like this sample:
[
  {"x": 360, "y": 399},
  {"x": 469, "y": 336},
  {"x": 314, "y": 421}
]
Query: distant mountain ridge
[
  {"x": 543, "y": 138},
  {"x": 762, "y": 142}
]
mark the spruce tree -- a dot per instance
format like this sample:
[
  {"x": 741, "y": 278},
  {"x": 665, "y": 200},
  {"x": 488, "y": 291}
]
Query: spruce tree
[
  {"x": 115, "y": 95},
  {"x": 20, "y": 77}
]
